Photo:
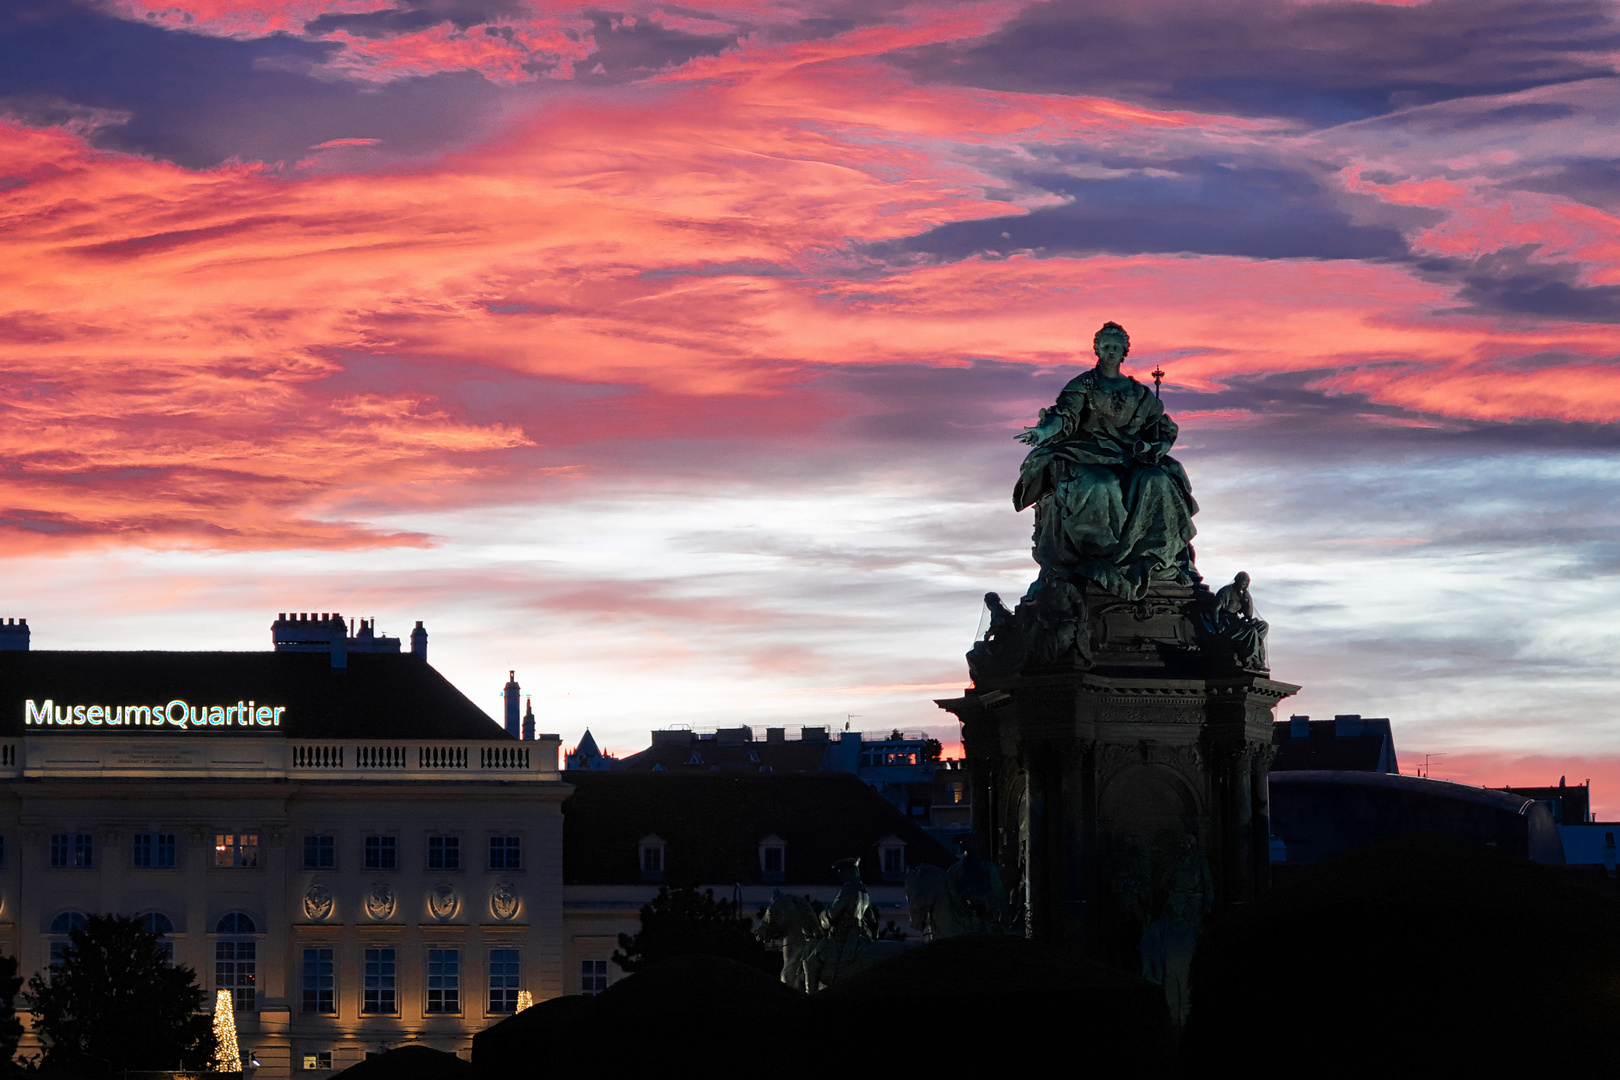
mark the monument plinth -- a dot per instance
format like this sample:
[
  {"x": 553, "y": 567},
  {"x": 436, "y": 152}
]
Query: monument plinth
[{"x": 1118, "y": 730}]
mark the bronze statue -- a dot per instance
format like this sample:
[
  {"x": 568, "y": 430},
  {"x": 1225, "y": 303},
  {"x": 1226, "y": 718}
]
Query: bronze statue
[
  {"x": 820, "y": 948},
  {"x": 1111, "y": 505},
  {"x": 1233, "y": 620}
]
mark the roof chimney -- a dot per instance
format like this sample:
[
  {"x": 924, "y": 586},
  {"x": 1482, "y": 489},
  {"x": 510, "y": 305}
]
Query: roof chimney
[
  {"x": 419, "y": 641},
  {"x": 14, "y": 635},
  {"x": 512, "y": 693},
  {"x": 528, "y": 720}
]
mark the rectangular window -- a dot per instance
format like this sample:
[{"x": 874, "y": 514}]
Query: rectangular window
[
  {"x": 155, "y": 850},
  {"x": 592, "y": 976},
  {"x": 381, "y": 983},
  {"x": 505, "y": 974},
  {"x": 237, "y": 850},
  {"x": 319, "y": 983},
  {"x": 652, "y": 859},
  {"x": 894, "y": 860},
  {"x": 774, "y": 857},
  {"x": 72, "y": 850},
  {"x": 382, "y": 853},
  {"x": 235, "y": 969},
  {"x": 320, "y": 853},
  {"x": 444, "y": 853},
  {"x": 444, "y": 981},
  {"x": 321, "y": 1059},
  {"x": 59, "y": 952},
  {"x": 505, "y": 853}
]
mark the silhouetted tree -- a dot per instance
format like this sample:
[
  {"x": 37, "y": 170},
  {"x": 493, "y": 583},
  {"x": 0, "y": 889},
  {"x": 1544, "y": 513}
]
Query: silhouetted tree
[
  {"x": 116, "y": 1002},
  {"x": 680, "y": 922},
  {"x": 10, "y": 1026},
  {"x": 932, "y": 749}
]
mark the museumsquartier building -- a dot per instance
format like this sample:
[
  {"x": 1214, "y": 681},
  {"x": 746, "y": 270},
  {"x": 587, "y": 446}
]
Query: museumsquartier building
[{"x": 331, "y": 831}]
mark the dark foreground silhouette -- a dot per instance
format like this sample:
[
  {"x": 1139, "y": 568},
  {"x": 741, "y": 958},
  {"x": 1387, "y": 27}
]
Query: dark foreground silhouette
[{"x": 1416, "y": 955}]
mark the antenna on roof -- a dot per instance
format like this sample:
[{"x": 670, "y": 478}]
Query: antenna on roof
[{"x": 850, "y": 717}]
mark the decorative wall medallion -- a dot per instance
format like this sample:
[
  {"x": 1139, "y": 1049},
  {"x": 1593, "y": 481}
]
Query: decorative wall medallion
[
  {"x": 380, "y": 901},
  {"x": 443, "y": 901},
  {"x": 318, "y": 902},
  {"x": 504, "y": 901}
]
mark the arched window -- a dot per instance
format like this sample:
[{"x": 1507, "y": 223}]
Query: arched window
[
  {"x": 62, "y": 925},
  {"x": 157, "y": 922},
  {"x": 67, "y": 921},
  {"x": 237, "y": 922},
  {"x": 236, "y": 960}
]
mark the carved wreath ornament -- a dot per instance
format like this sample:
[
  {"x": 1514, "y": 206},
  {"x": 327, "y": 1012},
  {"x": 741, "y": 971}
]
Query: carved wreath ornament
[
  {"x": 443, "y": 901},
  {"x": 380, "y": 901},
  {"x": 504, "y": 901},
  {"x": 318, "y": 902}
]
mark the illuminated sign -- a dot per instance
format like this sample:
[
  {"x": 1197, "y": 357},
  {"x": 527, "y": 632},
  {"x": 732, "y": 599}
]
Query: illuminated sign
[{"x": 176, "y": 713}]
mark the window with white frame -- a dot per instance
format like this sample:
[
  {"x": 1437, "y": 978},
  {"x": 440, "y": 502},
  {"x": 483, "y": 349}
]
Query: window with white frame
[
  {"x": 154, "y": 850},
  {"x": 236, "y": 959},
  {"x": 161, "y": 925},
  {"x": 75, "y": 851},
  {"x": 320, "y": 1059},
  {"x": 381, "y": 990},
  {"x": 444, "y": 981},
  {"x": 319, "y": 981},
  {"x": 236, "y": 850},
  {"x": 61, "y": 926},
  {"x": 505, "y": 980},
  {"x": 593, "y": 977},
  {"x": 444, "y": 853},
  {"x": 650, "y": 855},
  {"x": 505, "y": 853},
  {"x": 892, "y": 858},
  {"x": 773, "y": 859}
]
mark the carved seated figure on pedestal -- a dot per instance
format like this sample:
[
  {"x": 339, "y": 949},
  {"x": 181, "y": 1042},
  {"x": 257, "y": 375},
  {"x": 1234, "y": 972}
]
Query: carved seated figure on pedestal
[{"x": 1232, "y": 622}]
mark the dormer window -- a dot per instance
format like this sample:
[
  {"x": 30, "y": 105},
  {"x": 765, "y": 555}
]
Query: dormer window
[
  {"x": 650, "y": 852},
  {"x": 773, "y": 859},
  {"x": 892, "y": 858}
]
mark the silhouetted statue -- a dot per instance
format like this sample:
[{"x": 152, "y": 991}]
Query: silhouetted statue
[
  {"x": 1233, "y": 620},
  {"x": 1110, "y": 505}
]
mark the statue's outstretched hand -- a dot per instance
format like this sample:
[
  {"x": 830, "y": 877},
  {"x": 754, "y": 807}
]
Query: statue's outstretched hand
[{"x": 1029, "y": 436}]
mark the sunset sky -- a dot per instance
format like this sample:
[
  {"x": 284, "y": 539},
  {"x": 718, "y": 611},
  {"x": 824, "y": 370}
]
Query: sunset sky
[{"x": 671, "y": 355}]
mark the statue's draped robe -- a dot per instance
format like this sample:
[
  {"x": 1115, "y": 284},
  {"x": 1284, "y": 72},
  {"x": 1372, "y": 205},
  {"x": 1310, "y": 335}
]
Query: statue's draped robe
[{"x": 1110, "y": 506}]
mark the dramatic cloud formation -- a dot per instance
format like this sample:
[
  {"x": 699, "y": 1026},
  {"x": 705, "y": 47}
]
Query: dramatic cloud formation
[{"x": 672, "y": 354}]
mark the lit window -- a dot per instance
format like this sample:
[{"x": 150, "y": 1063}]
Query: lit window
[
  {"x": 237, "y": 850},
  {"x": 592, "y": 976},
  {"x": 72, "y": 850},
  {"x": 319, "y": 981},
  {"x": 382, "y": 853},
  {"x": 235, "y": 969},
  {"x": 505, "y": 979},
  {"x": 379, "y": 995},
  {"x": 320, "y": 853},
  {"x": 154, "y": 850},
  {"x": 505, "y": 853},
  {"x": 444, "y": 981},
  {"x": 958, "y": 793},
  {"x": 444, "y": 853},
  {"x": 321, "y": 1059}
]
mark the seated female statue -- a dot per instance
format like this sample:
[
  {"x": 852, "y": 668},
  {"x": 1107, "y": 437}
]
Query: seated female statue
[{"x": 1111, "y": 506}]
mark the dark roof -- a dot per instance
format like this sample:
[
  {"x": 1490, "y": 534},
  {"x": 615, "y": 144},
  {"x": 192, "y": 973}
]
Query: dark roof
[
  {"x": 1365, "y": 746},
  {"x": 712, "y": 825},
  {"x": 379, "y": 695},
  {"x": 714, "y": 756}
]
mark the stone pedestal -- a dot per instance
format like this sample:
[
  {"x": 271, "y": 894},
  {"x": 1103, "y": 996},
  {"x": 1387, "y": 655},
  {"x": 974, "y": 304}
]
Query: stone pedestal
[{"x": 1126, "y": 786}]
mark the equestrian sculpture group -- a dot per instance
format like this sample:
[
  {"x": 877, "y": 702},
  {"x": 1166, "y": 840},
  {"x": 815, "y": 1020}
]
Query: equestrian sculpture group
[{"x": 822, "y": 946}]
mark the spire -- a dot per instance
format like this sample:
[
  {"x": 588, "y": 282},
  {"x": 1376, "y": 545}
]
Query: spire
[
  {"x": 528, "y": 719},
  {"x": 512, "y": 691}
]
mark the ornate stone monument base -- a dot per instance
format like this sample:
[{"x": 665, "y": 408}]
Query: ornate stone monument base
[{"x": 1125, "y": 789}]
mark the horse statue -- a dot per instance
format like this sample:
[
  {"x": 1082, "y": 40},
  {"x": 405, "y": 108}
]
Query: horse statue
[
  {"x": 965, "y": 899},
  {"x": 820, "y": 948}
]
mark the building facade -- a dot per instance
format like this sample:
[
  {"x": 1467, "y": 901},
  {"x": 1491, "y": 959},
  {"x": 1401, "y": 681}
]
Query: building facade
[{"x": 338, "y": 836}]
